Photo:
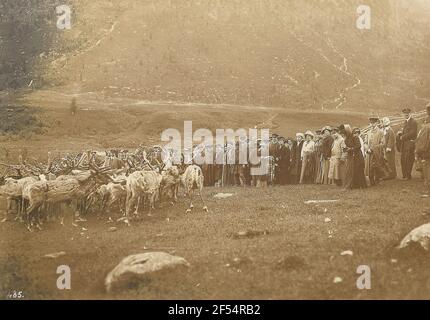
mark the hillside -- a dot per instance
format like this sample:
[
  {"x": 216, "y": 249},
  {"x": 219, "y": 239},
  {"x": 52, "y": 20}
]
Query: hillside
[
  {"x": 108, "y": 122},
  {"x": 288, "y": 54}
]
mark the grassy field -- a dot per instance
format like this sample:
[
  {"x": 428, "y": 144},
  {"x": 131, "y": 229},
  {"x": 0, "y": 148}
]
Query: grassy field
[{"x": 297, "y": 258}]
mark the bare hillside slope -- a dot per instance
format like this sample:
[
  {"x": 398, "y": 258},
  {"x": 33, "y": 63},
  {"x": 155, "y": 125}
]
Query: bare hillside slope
[{"x": 289, "y": 54}]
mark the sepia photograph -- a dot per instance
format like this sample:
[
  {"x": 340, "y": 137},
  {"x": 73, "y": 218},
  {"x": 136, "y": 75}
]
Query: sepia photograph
[{"x": 214, "y": 150}]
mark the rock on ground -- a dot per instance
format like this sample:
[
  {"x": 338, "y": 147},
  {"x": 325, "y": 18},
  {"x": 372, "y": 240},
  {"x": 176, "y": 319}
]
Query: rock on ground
[
  {"x": 249, "y": 234},
  {"x": 142, "y": 264},
  {"x": 419, "y": 235},
  {"x": 223, "y": 195}
]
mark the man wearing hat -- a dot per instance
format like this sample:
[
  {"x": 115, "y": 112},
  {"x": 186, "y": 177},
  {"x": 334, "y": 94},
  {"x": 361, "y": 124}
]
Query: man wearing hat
[
  {"x": 207, "y": 168},
  {"x": 389, "y": 148},
  {"x": 428, "y": 114},
  {"x": 296, "y": 161},
  {"x": 283, "y": 162},
  {"x": 374, "y": 143},
  {"x": 291, "y": 145},
  {"x": 423, "y": 152},
  {"x": 407, "y": 144},
  {"x": 306, "y": 156},
  {"x": 318, "y": 156},
  {"x": 218, "y": 170},
  {"x": 274, "y": 138},
  {"x": 274, "y": 148}
]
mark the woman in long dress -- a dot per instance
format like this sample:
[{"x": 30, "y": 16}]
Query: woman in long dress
[
  {"x": 308, "y": 171},
  {"x": 354, "y": 175},
  {"x": 336, "y": 161}
]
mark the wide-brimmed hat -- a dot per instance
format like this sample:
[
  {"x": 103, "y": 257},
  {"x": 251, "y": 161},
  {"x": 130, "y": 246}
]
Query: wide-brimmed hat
[
  {"x": 309, "y": 133},
  {"x": 373, "y": 119},
  {"x": 328, "y": 128},
  {"x": 299, "y": 134},
  {"x": 386, "y": 121}
]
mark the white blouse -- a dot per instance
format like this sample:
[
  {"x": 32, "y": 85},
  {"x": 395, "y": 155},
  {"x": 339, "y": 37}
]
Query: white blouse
[{"x": 308, "y": 147}]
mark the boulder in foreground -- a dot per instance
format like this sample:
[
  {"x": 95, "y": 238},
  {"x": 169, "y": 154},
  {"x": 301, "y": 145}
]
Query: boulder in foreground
[
  {"x": 420, "y": 235},
  {"x": 142, "y": 264}
]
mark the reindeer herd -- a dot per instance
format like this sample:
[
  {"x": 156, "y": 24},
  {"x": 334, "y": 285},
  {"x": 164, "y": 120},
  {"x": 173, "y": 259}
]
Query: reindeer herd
[{"x": 105, "y": 183}]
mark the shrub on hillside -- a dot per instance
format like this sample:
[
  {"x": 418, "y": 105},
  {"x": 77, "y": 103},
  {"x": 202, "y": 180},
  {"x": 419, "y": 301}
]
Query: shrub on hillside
[{"x": 17, "y": 119}]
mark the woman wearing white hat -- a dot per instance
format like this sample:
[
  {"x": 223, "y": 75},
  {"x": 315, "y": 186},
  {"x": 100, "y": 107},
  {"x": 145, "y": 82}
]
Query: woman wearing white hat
[
  {"x": 306, "y": 156},
  {"x": 336, "y": 161}
]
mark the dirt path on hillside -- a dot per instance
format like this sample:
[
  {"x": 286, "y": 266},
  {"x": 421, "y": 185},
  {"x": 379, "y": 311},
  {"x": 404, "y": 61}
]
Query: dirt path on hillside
[{"x": 61, "y": 99}]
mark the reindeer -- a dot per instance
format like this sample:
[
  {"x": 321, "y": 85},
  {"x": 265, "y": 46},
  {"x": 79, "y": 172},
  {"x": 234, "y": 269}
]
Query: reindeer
[
  {"x": 149, "y": 184},
  {"x": 170, "y": 182},
  {"x": 111, "y": 194},
  {"x": 141, "y": 184},
  {"x": 192, "y": 179},
  {"x": 14, "y": 190},
  {"x": 66, "y": 188}
]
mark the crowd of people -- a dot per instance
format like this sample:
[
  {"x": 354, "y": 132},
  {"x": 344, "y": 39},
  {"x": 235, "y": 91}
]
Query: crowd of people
[{"x": 338, "y": 155}]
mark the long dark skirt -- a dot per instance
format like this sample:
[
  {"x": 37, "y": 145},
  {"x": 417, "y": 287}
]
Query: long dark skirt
[
  {"x": 354, "y": 174},
  {"x": 283, "y": 174}
]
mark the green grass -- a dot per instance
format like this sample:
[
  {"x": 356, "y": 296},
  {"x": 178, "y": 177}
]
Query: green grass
[{"x": 370, "y": 223}]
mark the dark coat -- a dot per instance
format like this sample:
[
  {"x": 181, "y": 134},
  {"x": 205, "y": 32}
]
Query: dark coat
[
  {"x": 327, "y": 143},
  {"x": 283, "y": 165},
  {"x": 423, "y": 142},
  {"x": 296, "y": 159},
  {"x": 409, "y": 134},
  {"x": 354, "y": 171},
  {"x": 284, "y": 157}
]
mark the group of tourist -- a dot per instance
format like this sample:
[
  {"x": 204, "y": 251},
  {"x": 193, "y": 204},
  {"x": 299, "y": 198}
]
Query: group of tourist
[{"x": 338, "y": 155}]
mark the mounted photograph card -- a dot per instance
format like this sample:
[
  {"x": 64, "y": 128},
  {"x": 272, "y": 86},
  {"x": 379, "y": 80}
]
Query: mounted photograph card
[{"x": 242, "y": 151}]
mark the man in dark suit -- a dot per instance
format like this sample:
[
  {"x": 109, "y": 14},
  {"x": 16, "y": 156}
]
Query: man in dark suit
[
  {"x": 296, "y": 162},
  {"x": 407, "y": 143},
  {"x": 327, "y": 144},
  {"x": 389, "y": 149},
  {"x": 422, "y": 151},
  {"x": 428, "y": 114}
]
